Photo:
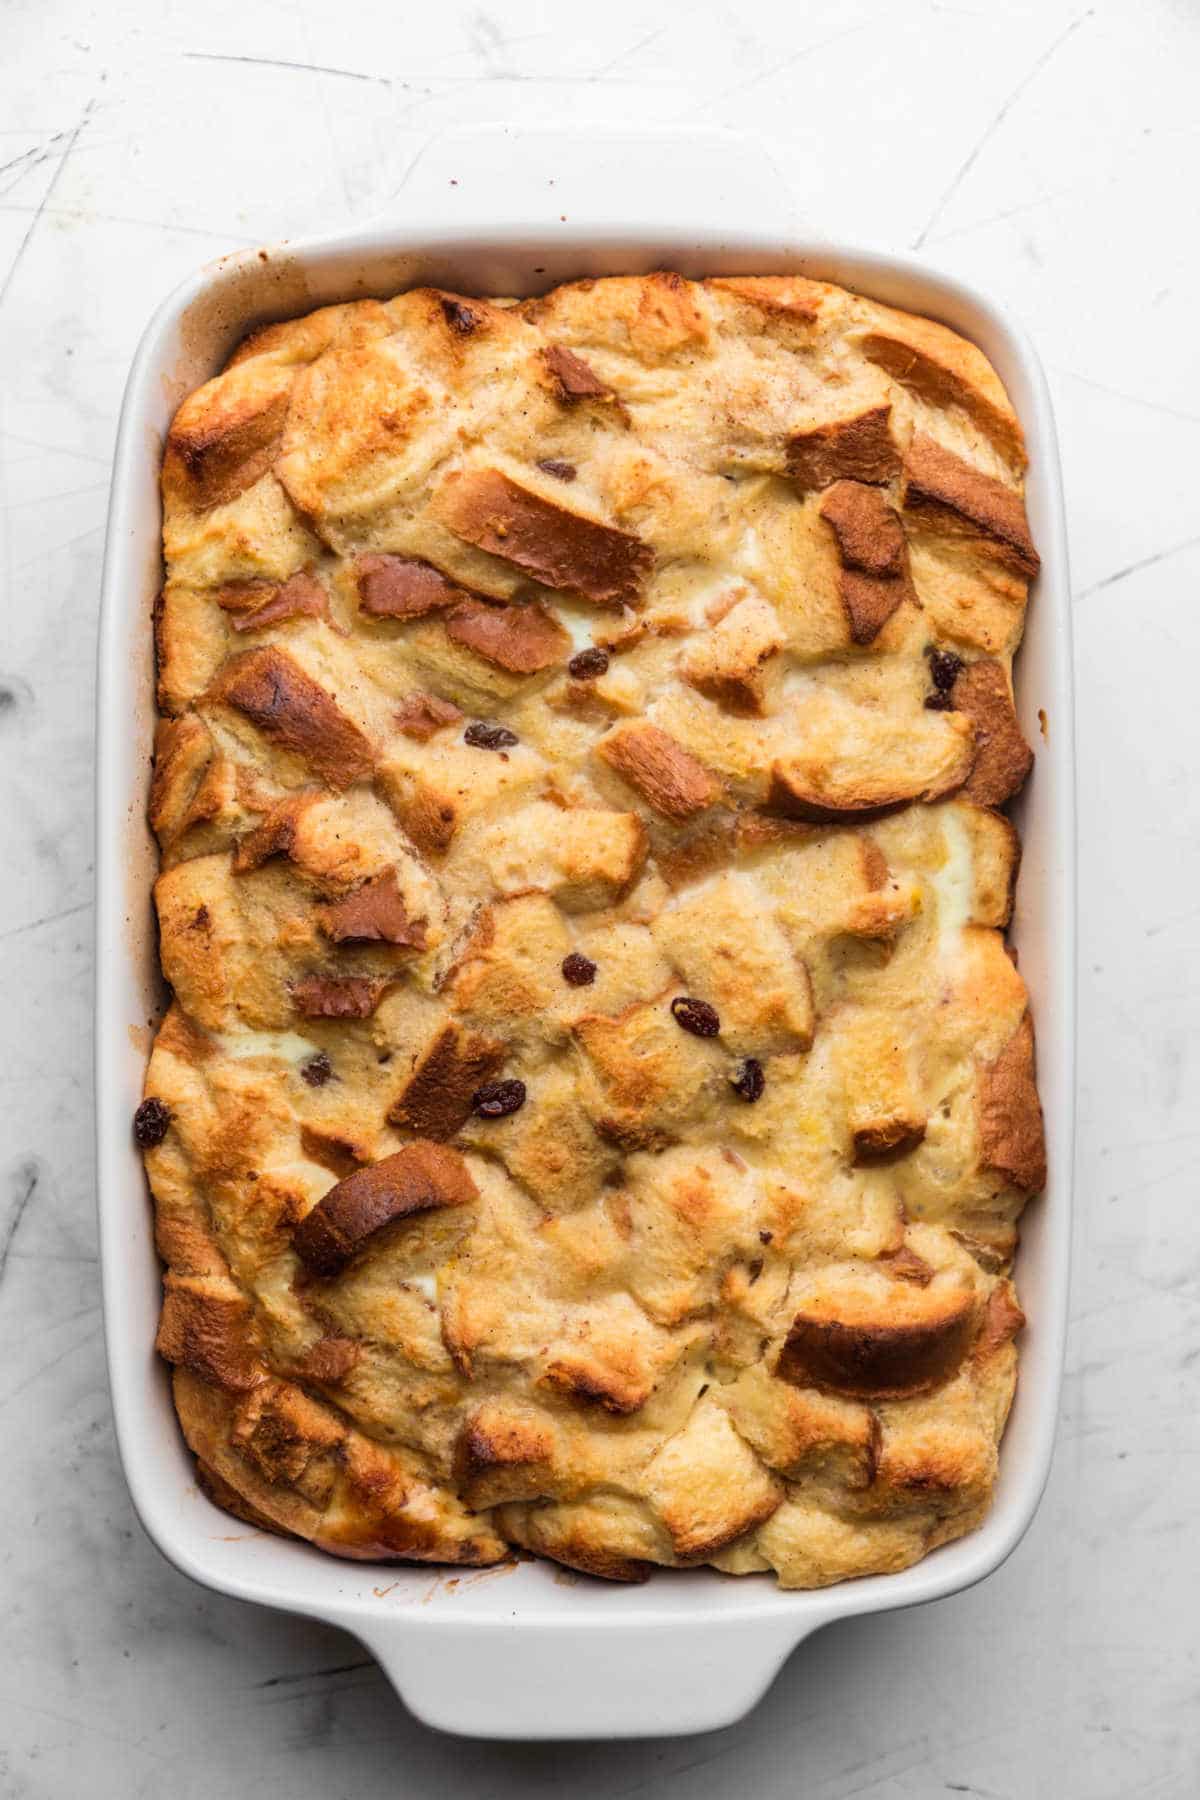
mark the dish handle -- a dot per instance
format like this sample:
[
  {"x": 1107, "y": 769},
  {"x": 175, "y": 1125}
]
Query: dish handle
[
  {"x": 608, "y": 180},
  {"x": 595, "y": 1678}
]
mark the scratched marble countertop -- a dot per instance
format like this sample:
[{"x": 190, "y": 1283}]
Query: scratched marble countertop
[{"x": 1047, "y": 150}]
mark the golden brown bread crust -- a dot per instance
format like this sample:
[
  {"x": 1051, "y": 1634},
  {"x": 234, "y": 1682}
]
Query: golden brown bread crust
[
  {"x": 205, "y": 1325},
  {"x": 959, "y": 498},
  {"x": 336, "y": 996},
  {"x": 597, "y": 1104},
  {"x": 870, "y": 600},
  {"x": 436, "y": 1097},
  {"x": 868, "y": 531},
  {"x": 557, "y": 546},
  {"x": 402, "y": 587},
  {"x": 888, "y": 1351},
  {"x": 572, "y": 378},
  {"x": 522, "y": 639},
  {"x": 666, "y": 775},
  {"x": 372, "y": 913},
  {"x": 874, "y": 580},
  {"x": 1002, "y": 758},
  {"x": 857, "y": 448},
  {"x": 946, "y": 371},
  {"x": 1010, "y": 1115},
  {"x": 421, "y": 716},
  {"x": 226, "y": 447},
  {"x": 276, "y": 832},
  {"x": 291, "y": 710},
  {"x": 413, "y": 1180},
  {"x": 257, "y": 604}
]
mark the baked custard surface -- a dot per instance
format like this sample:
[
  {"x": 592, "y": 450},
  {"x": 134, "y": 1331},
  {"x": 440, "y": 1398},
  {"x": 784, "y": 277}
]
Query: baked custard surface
[{"x": 597, "y": 1099}]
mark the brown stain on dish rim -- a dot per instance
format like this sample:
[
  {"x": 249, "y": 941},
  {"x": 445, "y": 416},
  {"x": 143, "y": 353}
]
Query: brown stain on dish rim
[{"x": 493, "y": 1573}]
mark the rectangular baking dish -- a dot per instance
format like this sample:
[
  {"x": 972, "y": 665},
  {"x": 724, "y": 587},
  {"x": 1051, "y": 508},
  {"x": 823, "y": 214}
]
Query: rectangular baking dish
[{"x": 528, "y": 1651}]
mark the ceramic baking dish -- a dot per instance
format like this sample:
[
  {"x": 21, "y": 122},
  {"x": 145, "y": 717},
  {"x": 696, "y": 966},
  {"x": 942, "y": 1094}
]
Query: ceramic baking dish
[{"x": 528, "y": 1651}]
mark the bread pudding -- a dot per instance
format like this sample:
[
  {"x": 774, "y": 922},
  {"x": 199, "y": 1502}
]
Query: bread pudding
[{"x": 597, "y": 1098}]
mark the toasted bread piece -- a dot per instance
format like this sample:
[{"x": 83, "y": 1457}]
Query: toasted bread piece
[
  {"x": 953, "y": 497},
  {"x": 269, "y": 689},
  {"x": 881, "y": 1340},
  {"x": 413, "y": 1180},
  {"x": 859, "y": 447},
  {"x": 673, "y": 781},
  {"x": 944, "y": 370},
  {"x": 1002, "y": 757},
  {"x": 558, "y": 546}
]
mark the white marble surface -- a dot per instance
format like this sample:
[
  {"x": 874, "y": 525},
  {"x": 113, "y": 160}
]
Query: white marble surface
[{"x": 1045, "y": 149}]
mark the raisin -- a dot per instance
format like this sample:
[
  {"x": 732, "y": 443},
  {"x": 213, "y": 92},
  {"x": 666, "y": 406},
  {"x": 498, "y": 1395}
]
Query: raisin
[
  {"x": 482, "y": 735},
  {"x": 938, "y": 703},
  {"x": 945, "y": 668},
  {"x": 696, "y": 1016},
  {"x": 588, "y": 664},
  {"x": 150, "y": 1123},
  {"x": 578, "y": 970},
  {"x": 765, "y": 1237},
  {"x": 749, "y": 1081},
  {"x": 459, "y": 318},
  {"x": 561, "y": 471},
  {"x": 496, "y": 1099},
  {"x": 317, "y": 1070}
]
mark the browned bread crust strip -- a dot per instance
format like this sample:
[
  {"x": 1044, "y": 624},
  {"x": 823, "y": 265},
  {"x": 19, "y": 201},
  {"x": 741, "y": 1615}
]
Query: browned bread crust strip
[{"x": 414, "y": 1180}]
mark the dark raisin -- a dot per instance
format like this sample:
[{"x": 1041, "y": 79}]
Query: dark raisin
[
  {"x": 766, "y": 1237},
  {"x": 749, "y": 1081},
  {"x": 496, "y": 1099},
  {"x": 939, "y": 703},
  {"x": 150, "y": 1123},
  {"x": 696, "y": 1016},
  {"x": 317, "y": 1070},
  {"x": 460, "y": 318},
  {"x": 561, "y": 471},
  {"x": 482, "y": 735},
  {"x": 588, "y": 664},
  {"x": 578, "y": 970},
  {"x": 945, "y": 668}
]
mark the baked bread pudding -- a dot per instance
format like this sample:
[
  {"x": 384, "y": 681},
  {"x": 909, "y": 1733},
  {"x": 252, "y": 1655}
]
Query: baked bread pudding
[{"x": 597, "y": 1099}]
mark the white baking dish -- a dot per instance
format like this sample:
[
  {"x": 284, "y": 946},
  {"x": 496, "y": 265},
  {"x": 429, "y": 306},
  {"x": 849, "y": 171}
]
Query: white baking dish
[{"x": 527, "y": 1652}]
